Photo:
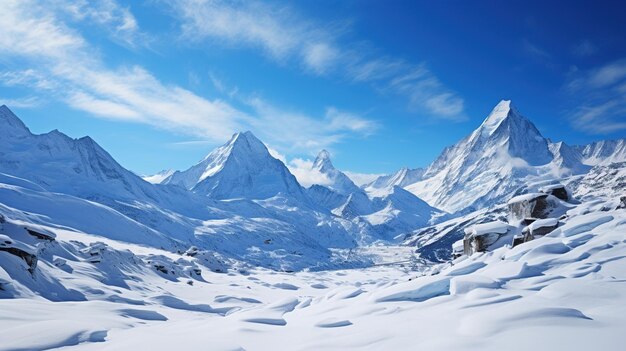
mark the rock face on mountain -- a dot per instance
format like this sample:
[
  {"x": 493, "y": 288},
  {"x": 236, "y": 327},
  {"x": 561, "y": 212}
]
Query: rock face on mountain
[{"x": 241, "y": 168}]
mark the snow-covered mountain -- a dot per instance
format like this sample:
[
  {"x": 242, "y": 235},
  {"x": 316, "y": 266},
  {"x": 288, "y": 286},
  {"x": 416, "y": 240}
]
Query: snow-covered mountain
[
  {"x": 405, "y": 176},
  {"x": 241, "y": 168},
  {"x": 603, "y": 152},
  {"x": 336, "y": 180},
  {"x": 384, "y": 211},
  {"x": 486, "y": 165},
  {"x": 59, "y": 163},
  {"x": 91, "y": 188},
  {"x": 117, "y": 262},
  {"x": 497, "y": 159}
]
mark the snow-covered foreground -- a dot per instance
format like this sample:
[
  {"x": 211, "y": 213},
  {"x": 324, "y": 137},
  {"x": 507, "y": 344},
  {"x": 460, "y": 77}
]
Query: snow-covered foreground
[{"x": 563, "y": 291}]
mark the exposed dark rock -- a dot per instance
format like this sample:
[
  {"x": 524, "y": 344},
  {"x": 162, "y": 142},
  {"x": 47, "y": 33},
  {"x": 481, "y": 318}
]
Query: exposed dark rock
[
  {"x": 39, "y": 234},
  {"x": 30, "y": 259}
]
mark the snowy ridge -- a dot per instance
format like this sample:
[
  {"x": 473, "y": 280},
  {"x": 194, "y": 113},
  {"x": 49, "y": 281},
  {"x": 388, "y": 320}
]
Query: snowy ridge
[{"x": 603, "y": 152}]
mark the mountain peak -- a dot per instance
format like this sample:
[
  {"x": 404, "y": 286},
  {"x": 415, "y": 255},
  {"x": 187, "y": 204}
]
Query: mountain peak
[
  {"x": 502, "y": 111},
  {"x": 323, "y": 162},
  {"x": 247, "y": 138},
  {"x": 241, "y": 168},
  {"x": 8, "y": 118}
]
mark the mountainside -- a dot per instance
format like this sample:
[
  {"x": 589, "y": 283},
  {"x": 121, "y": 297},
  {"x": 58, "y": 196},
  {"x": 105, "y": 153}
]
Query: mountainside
[
  {"x": 487, "y": 165},
  {"x": 241, "y": 168}
]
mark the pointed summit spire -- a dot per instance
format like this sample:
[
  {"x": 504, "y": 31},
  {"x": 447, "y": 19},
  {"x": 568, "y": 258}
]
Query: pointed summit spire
[
  {"x": 322, "y": 161},
  {"x": 503, "y": 110}
]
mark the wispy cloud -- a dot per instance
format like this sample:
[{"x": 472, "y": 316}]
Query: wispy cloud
[
  {"x": 285, "y": 36},
  {"x": 295, "y": 131},
  {"x": 584, "y": 48},
  {"x": 26, "y": 102},
  {"x": 602, "y": 95},
  {"x": 43, "y": 52},
  {"x": 535, "y": 51},
  {"x": 118, "y": 21}
]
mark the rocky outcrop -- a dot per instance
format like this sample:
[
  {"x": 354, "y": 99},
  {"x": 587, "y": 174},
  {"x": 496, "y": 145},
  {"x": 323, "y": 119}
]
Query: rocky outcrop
[{"x": 20, "y": 250}]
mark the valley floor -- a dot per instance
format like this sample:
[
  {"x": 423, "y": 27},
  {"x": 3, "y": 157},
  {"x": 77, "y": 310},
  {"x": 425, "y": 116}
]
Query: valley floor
[{"x": 565, "y": 291}]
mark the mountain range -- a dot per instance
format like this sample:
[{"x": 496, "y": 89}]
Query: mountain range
[{"x": 243, "y": 204}]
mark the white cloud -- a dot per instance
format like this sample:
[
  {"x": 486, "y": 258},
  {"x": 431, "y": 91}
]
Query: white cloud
[
  {"x": 303, "y": 170},
  {"x": 24, "y": 102},
  {"x": 295, "y": 131},
  {"x": 284, "y": 35},
  {"x": 601, "y": 94},
  {"x": 117, "y": 20},
  {"x": 584, "y": 48},
  {"x": 534, "y": 50},
  {"x": 305, "y": 174},
  {"x": 320, "y": 56},
  {"x": 44, "y": 54}
]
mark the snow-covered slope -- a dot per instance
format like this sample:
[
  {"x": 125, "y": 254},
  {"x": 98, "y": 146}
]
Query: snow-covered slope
[
  {"x": 561, "y": 291},
  {"x": 241, "y": 168},
  {"x": 487, "y": 165},
  {"x": 602, "y": 181}
]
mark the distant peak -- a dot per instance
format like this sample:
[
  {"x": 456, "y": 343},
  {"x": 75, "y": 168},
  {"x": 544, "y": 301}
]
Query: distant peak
[
  {"x": 322, "y": 161},
  {"x": 8, "y": 118}
]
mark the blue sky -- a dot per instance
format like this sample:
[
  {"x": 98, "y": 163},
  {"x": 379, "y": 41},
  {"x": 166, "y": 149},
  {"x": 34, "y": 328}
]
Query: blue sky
[{"x": 381, "y": 84}]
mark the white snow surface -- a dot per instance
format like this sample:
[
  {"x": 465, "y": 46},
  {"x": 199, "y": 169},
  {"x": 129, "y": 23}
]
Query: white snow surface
[
  {"x": 562, "y": 291},
  {"x": 495, "y": 227},
  {"x": 541, "y": 223}
]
